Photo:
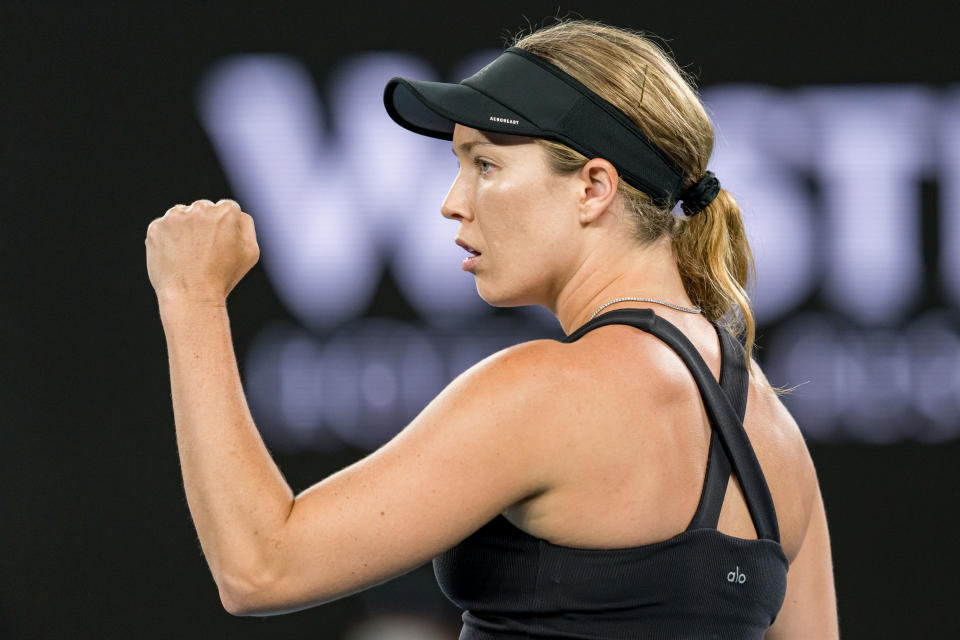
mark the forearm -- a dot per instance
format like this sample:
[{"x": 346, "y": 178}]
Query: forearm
[{"x": 237, "y": 496}]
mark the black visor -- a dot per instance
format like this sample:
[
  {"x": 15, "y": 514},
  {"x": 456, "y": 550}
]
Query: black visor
[{"x": 522, "y": 94}]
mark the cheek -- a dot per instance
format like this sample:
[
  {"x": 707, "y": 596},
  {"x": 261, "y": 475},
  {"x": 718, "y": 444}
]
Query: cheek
[
  {"x": 512, "y": 232},
  {"x": 524, "y": 222},
  {"x": 530, "y": 249},
  {"x": 499, "y": 215},
  {"x": 542, "y": 223}
]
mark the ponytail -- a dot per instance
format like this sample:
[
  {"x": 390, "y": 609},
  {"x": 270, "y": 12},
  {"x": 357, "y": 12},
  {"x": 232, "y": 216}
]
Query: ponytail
[{"x": 716, "y": 265}]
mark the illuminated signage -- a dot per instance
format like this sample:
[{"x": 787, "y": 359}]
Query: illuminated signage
[{"x": 830, "y": 181}]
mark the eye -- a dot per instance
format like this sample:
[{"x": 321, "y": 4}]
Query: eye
[{"x": 482, "y": 165}]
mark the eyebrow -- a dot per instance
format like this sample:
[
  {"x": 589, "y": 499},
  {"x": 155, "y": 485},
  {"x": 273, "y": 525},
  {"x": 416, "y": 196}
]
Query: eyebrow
[{"x": 466, "y": 146}]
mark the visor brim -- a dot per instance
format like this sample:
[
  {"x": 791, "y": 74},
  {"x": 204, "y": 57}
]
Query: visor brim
[{"x": 434, "y": 108}]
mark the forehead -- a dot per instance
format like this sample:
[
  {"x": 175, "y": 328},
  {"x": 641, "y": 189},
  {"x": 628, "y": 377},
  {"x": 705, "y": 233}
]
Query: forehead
[{"x": 466, "y": 138}]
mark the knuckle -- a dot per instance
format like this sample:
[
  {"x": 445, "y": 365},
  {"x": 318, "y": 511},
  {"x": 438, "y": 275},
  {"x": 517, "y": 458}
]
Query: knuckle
[{"x": 154, "y": 230}]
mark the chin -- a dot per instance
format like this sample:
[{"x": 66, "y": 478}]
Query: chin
[{"x": 504, "y": 297}]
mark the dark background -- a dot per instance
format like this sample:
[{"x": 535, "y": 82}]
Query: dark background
[{"x": 100, "y": 136}]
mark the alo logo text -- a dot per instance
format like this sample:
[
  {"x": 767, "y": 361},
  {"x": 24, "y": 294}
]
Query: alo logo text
[{"x": 736, "y": 576}]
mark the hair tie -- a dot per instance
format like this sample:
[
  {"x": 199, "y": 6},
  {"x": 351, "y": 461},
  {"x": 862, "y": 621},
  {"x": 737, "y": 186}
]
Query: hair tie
[{"x": 700, "y": 194}]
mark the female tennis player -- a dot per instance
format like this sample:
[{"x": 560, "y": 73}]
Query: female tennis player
[{"x": 638, "y": 479}]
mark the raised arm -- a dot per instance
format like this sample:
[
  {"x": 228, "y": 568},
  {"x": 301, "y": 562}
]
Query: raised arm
[
  {"x": 472, "y": 452},
  {"x": 236, "y": 494}
]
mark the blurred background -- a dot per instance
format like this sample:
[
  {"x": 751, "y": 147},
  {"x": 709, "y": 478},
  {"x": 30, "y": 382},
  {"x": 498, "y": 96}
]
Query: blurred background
[{"x": 838, "y": 130}]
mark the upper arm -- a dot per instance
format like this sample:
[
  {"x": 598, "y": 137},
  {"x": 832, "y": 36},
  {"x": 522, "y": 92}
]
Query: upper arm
[
  {"x": 810, "y": 606},
  {"x": 476, "y": 449}
]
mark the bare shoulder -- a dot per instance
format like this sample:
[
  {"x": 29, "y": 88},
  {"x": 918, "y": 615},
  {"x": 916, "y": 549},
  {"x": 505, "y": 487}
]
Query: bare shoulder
[
  {"x": 620, "y": 349},
  {"x": 786, "y": 460},
  {"x": 524, "y": 358},
  {"x": 520, "y": 377},
  {"x": 525, "y": 388},
  {"x": 810, "y": 605},
  {"x": 548, "y": 390}
]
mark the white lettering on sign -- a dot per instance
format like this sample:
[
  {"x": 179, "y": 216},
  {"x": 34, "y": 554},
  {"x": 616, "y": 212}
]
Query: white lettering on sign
[{"x": 947, "y": 134}]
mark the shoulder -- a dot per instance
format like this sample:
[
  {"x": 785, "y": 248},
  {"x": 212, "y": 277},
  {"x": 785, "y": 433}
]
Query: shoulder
[
  {"x": 545, "y": 368},
  {"x": 544, "y": 390},
  {"x": 780, "y": 423},
  {"x": 528, "y": 366},
  {"x": 526, "y": 380},
  {"x": 792, "y": 476},
  {"x": 554, "y": 400}
]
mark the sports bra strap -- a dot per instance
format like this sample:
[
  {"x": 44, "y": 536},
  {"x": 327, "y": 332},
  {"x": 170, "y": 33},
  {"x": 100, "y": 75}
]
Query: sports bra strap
[
  {"x": 726, "y": 420},
  {"x": 734, "y": 381}
]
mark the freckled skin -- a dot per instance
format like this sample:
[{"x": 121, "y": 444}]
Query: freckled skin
[{"x": 518, "y": 213}]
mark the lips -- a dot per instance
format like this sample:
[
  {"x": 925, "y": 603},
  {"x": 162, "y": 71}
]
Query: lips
[{"x": 466, "y": 246}]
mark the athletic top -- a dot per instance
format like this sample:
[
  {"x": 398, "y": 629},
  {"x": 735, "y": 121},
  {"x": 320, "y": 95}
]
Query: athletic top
[{"x": 701, "y": 583}]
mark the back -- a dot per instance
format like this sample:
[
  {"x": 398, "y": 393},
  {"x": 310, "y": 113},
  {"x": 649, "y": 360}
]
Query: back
[
  {"x": 638, "y": 448},
  {"x": 587, "y": 558}
]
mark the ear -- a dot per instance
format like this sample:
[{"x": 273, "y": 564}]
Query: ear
[{"x": 598, "y": 187}]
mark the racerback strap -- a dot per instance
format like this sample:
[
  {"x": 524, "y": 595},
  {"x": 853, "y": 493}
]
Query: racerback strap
[
  {"x": 734, "y": 381},
  {"x": 726, "y": 420}
]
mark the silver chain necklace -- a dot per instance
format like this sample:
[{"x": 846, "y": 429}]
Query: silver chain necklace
[{"x": 668, "y": 304}]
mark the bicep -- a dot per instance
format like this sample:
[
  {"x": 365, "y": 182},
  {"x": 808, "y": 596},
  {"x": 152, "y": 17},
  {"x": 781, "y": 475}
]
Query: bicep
[
  {"x": 810, "y": 607},
  {"x": 469, "y": 455}
]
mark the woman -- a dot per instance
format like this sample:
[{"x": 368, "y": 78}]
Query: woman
[{"x": 603, "y": 486}]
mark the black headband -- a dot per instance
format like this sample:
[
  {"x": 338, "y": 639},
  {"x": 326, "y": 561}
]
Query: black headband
[{"x": 519, "y": 93}]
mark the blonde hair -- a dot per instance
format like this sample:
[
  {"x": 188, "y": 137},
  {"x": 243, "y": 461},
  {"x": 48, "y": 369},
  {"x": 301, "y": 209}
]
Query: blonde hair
[{"x": 631, "y": 72}]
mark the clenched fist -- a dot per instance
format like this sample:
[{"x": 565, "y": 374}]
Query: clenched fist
[{"x": 202, "y": 251}]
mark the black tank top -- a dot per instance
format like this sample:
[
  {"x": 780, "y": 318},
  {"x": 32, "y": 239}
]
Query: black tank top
[{"x": 700, "y": 583}]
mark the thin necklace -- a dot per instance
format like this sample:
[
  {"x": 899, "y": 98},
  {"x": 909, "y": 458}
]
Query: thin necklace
[{"x": 668, "y": 304}]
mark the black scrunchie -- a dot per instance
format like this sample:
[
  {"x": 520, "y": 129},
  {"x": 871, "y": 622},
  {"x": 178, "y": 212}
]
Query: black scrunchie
[{"x": 697, "y": 196}]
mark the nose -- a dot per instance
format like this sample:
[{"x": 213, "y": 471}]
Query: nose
[{"x": 456, "y": 205}]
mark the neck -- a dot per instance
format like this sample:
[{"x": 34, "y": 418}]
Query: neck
[{"x": 647, "y": 272}]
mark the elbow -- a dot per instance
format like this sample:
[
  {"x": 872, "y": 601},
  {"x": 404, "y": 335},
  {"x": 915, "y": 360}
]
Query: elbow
[
  {"x": 245, "y": 594},
  {"x": 232, "y": 604}
]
